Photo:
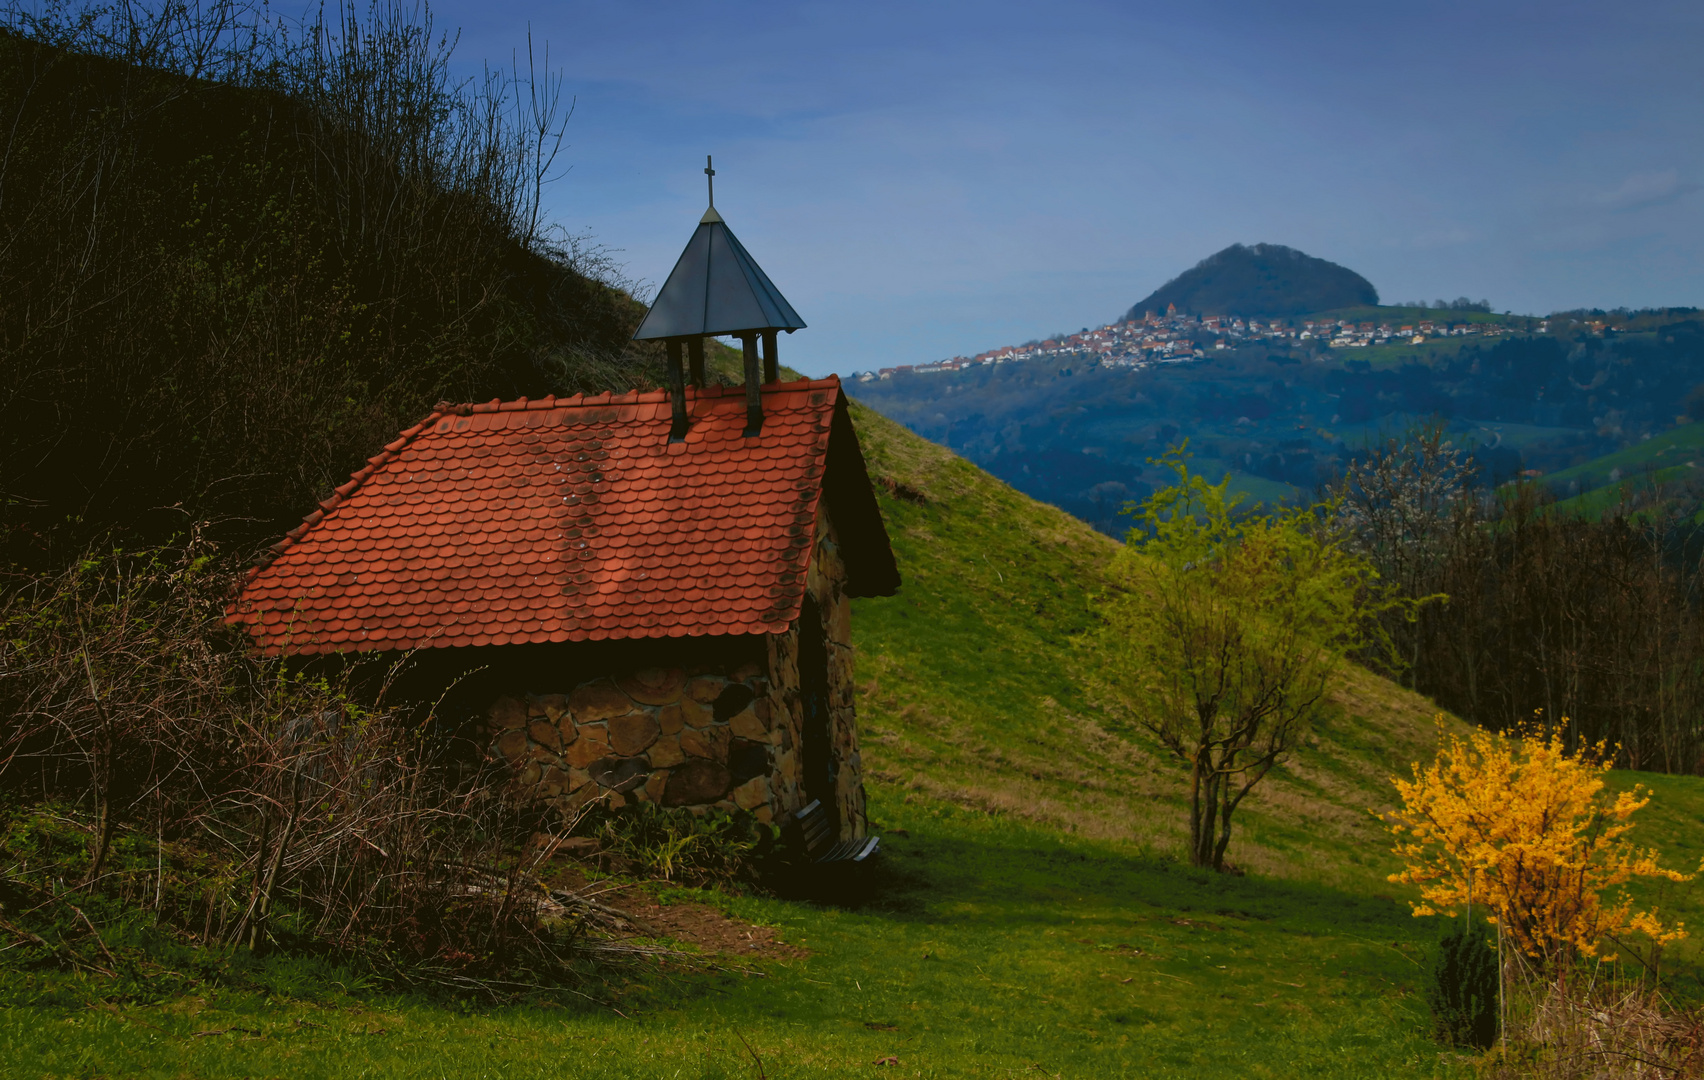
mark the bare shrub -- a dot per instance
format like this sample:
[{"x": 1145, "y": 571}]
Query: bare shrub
[
  {"x": 1593, "y": 1023},
  {"x": 238, "y": 253},
  {"x": 245, "y": 804},
  {"x": 1405, "y": 506}
]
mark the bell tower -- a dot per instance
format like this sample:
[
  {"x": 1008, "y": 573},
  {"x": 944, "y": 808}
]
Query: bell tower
[{"x": 716, "y": 288}]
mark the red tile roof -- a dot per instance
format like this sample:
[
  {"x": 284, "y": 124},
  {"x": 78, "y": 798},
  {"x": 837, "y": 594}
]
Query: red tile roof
[{"x": 574, "y": 519}]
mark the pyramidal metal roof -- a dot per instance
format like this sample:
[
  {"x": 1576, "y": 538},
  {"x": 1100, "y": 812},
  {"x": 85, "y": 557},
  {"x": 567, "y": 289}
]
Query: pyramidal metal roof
[{"x": 716, "y": 288}]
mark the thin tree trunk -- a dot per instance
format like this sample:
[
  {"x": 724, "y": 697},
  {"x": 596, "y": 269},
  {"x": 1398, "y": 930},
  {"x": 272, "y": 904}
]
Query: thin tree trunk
[
  {"x": 1226, "y": 805},
  {"x": 1199, "y": 778},
  {"x": 101, "y": 760},
  {"x": 259, "y": 923}
]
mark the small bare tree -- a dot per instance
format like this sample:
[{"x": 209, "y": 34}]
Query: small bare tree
[{"x": 1406, "y": 508}]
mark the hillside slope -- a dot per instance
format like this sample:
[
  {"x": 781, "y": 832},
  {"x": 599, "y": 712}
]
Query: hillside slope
[
  {"x": 972, "y": 690},
  {"x": 264, "y": 272}
]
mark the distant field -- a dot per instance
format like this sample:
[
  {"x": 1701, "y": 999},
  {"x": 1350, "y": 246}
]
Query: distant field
[
  {"x": 1398, "y": 316},
  {"x": 1431, "y": 351},
  {"x": 1255, "y": 490},
  {"x": 1679, "y": 448},
  {"x": 1668, "y": 466}
]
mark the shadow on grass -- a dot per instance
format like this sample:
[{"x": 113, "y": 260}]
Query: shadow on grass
[
  {"x": 987, "y": 883},
  {"x": 986, "y": 872}
]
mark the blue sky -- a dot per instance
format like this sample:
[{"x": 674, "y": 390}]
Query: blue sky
[{"x": 926, "y": 179}]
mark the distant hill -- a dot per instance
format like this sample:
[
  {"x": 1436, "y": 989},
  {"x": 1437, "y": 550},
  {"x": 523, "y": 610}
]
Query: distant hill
[
  {"x": 1655, "y": 469},
  {"x": 1281, "y": 415},
  {"x": 1263, "y": 281}
]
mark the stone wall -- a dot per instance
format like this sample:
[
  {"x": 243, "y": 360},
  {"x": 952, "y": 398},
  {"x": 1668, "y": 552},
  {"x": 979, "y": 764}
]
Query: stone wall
[
  {"x": 676, "y": 736},
  {"x": 827, "y": 584},
  {"x": 706, "y": 735}
]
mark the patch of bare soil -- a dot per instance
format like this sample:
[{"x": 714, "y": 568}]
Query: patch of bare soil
[
  {"x": 637, "y": 912},
  {"x": 709, "y": 928}
]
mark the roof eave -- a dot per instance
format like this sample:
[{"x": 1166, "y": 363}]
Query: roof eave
[{"x": 871, "y": 569}]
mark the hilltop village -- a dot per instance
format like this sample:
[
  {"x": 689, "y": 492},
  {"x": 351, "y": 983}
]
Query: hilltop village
[{"x": 1176, "y": 338}]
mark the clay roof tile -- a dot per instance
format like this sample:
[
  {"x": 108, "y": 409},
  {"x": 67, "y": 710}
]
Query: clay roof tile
[{"x": 560, "y": 519}]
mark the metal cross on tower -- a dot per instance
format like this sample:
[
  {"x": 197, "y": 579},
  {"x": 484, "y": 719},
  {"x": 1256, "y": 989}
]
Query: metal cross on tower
[{"x": 710, "y": 173}]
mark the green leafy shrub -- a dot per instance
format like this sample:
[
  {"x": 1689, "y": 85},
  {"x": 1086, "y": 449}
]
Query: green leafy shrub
[
  {"x": 1461, "y": 986},
  {"x": 677, "y": 844},
  {"x": 1223, "y": 633}
]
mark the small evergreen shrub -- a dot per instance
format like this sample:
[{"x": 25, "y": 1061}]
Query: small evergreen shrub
[{"x": 1461, "y": 987}]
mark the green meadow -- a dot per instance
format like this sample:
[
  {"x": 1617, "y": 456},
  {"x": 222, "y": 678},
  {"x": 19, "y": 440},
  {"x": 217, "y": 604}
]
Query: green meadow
[
  {"x": 1028, "y": 915},
  {"x": 994, "y": 948},
  {"x": 1667, "y": 460}
]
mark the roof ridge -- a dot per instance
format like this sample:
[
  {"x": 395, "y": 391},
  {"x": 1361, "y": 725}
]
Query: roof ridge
[
  {"x": 607, "y": 397},
  {"x": 805, "y": 383},
  {"x": 447, "y": 408}
]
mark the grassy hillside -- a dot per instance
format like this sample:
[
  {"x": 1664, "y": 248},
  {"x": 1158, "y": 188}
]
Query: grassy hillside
[
  {"x": 973, "y": 691},
  {"x": 1029, "y": 917}
]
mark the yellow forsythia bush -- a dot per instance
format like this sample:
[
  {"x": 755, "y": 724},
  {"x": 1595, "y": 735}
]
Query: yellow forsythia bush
[{"x": 1518, "y": 825}]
